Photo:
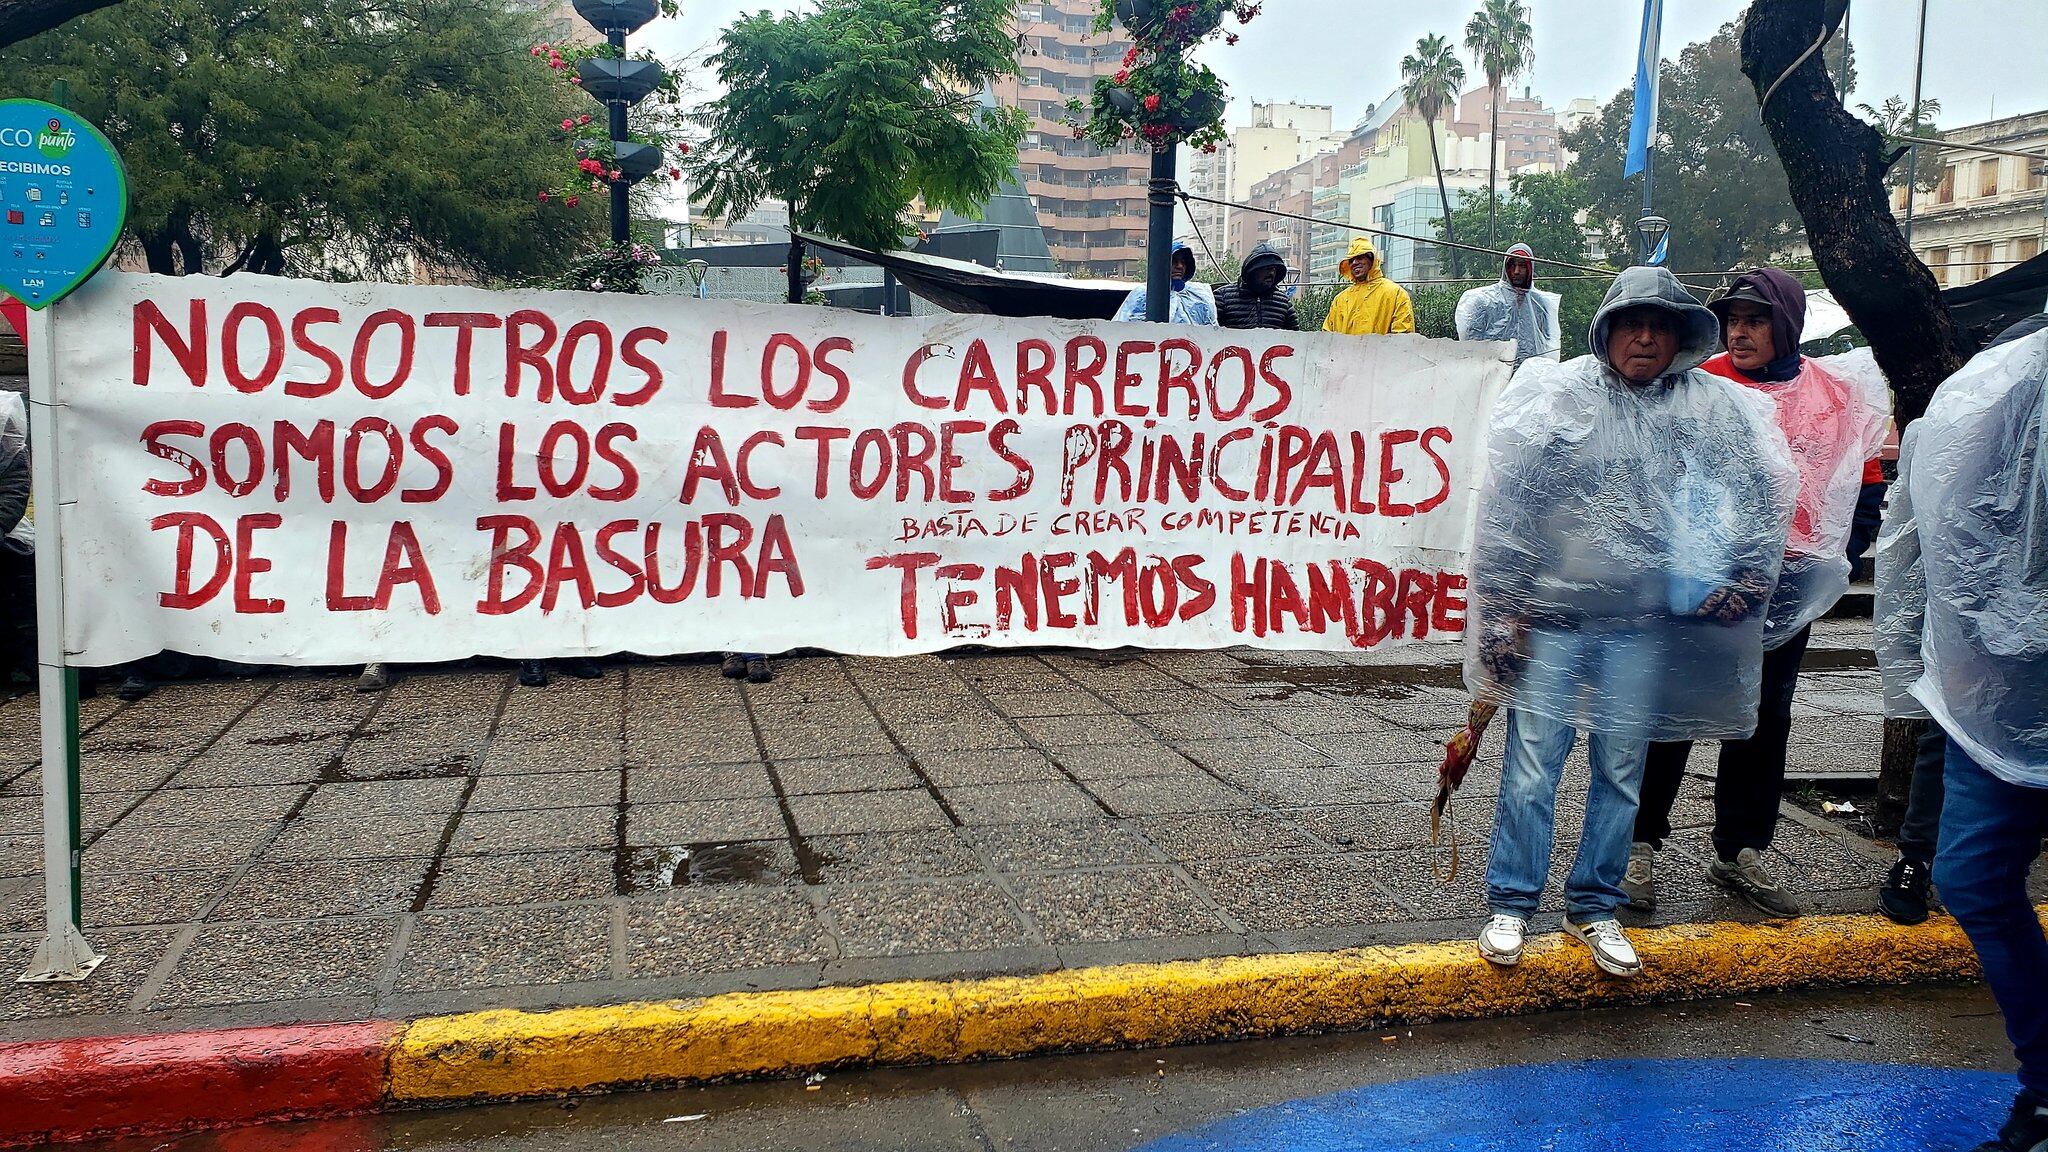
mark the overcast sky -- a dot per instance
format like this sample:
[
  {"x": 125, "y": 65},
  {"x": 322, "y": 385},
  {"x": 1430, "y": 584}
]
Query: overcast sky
[{"x": 1983, "y": 56}]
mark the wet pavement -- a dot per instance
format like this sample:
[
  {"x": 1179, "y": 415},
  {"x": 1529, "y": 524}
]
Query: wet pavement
[
  {"x": 282, "y": 848},
  {"x": 1125, "y": 1100}
]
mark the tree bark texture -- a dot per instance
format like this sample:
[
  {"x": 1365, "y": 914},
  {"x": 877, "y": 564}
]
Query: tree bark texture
[
  {"x": 796, "y": 268},
  {"x": 21, "y": 19},
  {"x": 1835, "y": 164}
]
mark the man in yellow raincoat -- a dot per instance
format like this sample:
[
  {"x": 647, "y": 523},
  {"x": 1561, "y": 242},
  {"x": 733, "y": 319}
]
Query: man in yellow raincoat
[{"x": 1373, "y": 305}]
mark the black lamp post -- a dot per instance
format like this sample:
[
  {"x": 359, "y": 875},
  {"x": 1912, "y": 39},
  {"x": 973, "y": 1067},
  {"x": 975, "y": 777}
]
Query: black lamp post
[{"x": 618, "y": 84}]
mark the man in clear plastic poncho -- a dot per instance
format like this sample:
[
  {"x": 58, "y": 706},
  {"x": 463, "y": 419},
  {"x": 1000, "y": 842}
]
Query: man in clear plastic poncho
[
  {"x": 1962, "y": 631},
  {"x": 1513, "y": 309},
  {"x": 1832, "y": 424},
  {"x": 1192, "y": 302},
  {"x": 1630, "y": 530}
]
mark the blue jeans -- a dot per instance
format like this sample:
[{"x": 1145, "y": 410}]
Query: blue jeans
[
  {"x": 1991, "y": 834},
  {"x": 1524, "y": 822}
]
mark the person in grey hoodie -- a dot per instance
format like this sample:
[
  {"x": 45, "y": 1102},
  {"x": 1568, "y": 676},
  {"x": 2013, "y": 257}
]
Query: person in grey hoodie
[{"x": 1631, "y": 526}]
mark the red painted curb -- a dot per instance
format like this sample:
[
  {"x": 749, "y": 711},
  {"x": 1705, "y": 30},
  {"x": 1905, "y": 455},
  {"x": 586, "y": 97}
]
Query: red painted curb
[{"x": 65, "y": 1090}]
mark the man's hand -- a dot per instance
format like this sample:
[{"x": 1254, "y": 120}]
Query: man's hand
[
  {"x": 1737, "y": 600},
  {"x": 1500, "y": 648}
]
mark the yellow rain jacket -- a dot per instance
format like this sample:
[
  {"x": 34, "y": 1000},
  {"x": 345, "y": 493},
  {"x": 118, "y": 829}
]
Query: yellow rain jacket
[{"x": 1375, "y": 308}]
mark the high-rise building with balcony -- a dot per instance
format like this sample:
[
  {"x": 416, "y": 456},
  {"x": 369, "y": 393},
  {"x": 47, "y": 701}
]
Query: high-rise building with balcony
[{"x": 1091, "y": 203}]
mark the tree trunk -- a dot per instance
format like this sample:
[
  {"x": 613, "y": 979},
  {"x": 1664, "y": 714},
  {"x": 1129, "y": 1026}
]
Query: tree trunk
[
  {"x": 796, "y": 269},
  {"x": 157, "y": 253},
  {"x": 1835, "y": 165},
  {"x": 1443, "y": 195},
  {"x": 21, "y": 19},
  {"x": 1492, "y": 159}
]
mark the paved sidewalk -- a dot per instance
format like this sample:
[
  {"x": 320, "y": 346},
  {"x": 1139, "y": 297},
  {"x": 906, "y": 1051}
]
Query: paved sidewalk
[{"x": 282, "y": 848}]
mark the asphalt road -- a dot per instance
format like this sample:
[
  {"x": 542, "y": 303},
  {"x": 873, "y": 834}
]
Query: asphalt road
[{"x": 1129, "y": 1100}]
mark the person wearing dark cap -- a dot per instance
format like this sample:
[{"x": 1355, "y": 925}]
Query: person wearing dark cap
[{"x": 1832, "y": 426}]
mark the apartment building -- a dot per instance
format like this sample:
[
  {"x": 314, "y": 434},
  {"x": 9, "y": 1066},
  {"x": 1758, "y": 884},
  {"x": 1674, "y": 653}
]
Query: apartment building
[
  {"x": 1989, "y": 212},
  {"x": 1528, "y": 131},
  {"x": 1280, "y": 136},
  {"x": 1090, "y": 203}
]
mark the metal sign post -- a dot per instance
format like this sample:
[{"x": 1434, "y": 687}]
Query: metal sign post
[
  {"x": 63, "y": 200},
  {"x": 64, "y": 953}
]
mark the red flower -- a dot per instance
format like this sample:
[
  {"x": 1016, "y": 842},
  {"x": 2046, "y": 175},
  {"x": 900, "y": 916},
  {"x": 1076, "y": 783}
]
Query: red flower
[
  {"x": 543, "y": 194},
  {"x": 675, "y": 173},
  {"x": 613, "y": 175},
  {"x": 536, "y": 50},
  {"x": 683, "y": 149},
  {"x": 1209, "y": 149},
  {"x": 568, "y": 125},
  {"x": 1152, "y": 102},
  {"x": 1122, "y": 78},
  {"x": 583, "y": 119},
  {"x": 1130, "y": 57},
  {"x": 1230, "y": 38},
  {"x": 1184, "y": 12},
  {"x": 572, "y": 201}
]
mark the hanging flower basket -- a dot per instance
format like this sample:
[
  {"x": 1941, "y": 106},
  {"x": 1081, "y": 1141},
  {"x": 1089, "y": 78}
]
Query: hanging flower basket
[{"x": 1158, "y": 95}]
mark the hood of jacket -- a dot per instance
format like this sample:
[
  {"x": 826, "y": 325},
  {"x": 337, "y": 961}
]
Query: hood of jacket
[
  {"x": 1361, "y": 246},
  {"x": 1522, "y": 252},
  {"x": 1700, "y": 332},
  {"x": 1262, "y": 256},
  {"x": 1786, "y": 298}
]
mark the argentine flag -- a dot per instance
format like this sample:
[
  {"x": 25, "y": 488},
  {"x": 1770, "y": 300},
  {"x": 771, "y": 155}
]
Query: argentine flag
[{"x": 1643, "y": 127}]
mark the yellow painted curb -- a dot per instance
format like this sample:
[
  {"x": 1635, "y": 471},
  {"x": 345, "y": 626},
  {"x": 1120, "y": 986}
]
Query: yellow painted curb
[{"x": 506, "y": 1054}]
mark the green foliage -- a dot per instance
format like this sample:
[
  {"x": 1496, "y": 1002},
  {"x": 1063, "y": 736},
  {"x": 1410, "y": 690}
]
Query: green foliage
[
  {"x": 1431, "y": 79},
  {"x": 1312, "y": 305},
  {"x": 609, "y": 268},
  {"x": 1498, "y": 37},
  {"x": 1159, "y": 95},
  {"x": 327, "y": 139},
  {"x": 1542, "y": 211},
  {"x": 1719, "y": 181},
  {"x": 1436, "y": 309},
  {"x": 852, "y": 111},
  {"x": 1895, "y": 118},
  {"x": 1224, "y": 271}
]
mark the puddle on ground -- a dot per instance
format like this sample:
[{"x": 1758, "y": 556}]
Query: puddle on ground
[
  {"x": 652, "y": 869},
  {"x": 1369, "y": 682}
]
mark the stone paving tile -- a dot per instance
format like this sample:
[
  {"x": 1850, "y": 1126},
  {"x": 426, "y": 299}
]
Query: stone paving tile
[
  {"x": 1408, "y": 875},
  {"x": 839, "y": 814},
  {"x": 1040, "y": 846},
  {"x": 924, "y": 738},
  {"x": 1188, "y": 791},
  {"x": 142, "y": 847},
  {"x": 499, "y": 947},
  {"x": 992, "y": 766},
  {"x": 1332, "y": 784},
  {"x": 651, "y": 869},
  {"x": 21, "y": 815},
  {"x": 1266, "y": 753},
  {"x": 1295, "y": 892},
  {"x": 369, "y": 799},
  {"x": 1402, "y": 825},
  {"x": 1224, "y": 835},
  {"x": 113, "y": 899},
  {"x": 699, "y": 783},
  {"x": 544, "y": 790},
  {"x": 1124, "y": 904},
  {"x": 1312, "y": 716},
  {"x": 131, "y": 956},
  {"x": 723, "y": 929},
  {"x": 344, "y": 837},
  {"x": 507, "y": 758},
  {"x": 846, "y": 774},
  {"x": 257, "y": 963},
  {"x": 732, "y": 745},
  {"x": 1112, "y": 761},
  {"x": 1217, "y": 721},
  {"x": 238, "y": 767},
  {"x": 522, "y": 878},
  {"x": 1054, "y": 702},
  {"x": 20, "y": 855},
  {"x": 807, "y": 742},
  {"x": 917, "y": 919},
  {"x": 303, "y": 890},
  {"x": 928, "y": 854},
  {"x": 1070, "y": 731},
  {"x": 1052, "y": 800},
  {"x": 1384, "y": 744},
  {"x": 702, "y": 821},
  {"x": 1143, "y": 702}
]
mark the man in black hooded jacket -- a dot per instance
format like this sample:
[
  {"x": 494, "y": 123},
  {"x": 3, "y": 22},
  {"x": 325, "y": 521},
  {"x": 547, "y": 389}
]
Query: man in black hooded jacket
[{"x": 1255, "y": 300}]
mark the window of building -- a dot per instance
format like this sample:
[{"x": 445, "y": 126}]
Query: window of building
[
  {"x": 2026, "y": 248},
  {"x": 1987, "y": 177},
  {"x": 1937, "y": 262},
  {"x": 1980, "y": 262},
  {"x": 2036, "y": 174},
  {"x": 1945, "y": 192}
]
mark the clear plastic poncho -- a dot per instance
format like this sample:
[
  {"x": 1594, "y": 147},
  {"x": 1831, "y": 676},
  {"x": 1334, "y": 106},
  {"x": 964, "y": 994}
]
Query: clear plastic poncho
[
  {"x": 14, "y": 469},
  {"x": 1975, "y": 468},
  {"x": 1832, "y": 423},
  {"x": 1628, "y": 539},
  {"x": 1499, "y": 312}
]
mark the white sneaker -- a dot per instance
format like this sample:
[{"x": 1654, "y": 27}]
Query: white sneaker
[
  {"x": 1610, "y": 946},
  {"x": 1501, "y": 940}
]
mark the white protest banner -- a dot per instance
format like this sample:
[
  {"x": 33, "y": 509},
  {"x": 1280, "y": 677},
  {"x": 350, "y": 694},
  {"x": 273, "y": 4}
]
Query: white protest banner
[{"x": 295, "y": 472}]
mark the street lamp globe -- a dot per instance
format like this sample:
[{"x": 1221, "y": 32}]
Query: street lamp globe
[{"x": 1653, "y": 230}]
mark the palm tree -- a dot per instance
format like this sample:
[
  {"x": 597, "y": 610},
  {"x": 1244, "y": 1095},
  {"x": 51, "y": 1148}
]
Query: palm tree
[
  {"x": 1498, "y": 37},
  {"x": 1430, "y": 81}
]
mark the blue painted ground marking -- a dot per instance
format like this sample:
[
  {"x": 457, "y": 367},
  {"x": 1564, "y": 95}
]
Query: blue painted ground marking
[{"x": 1634, "y": 1106}]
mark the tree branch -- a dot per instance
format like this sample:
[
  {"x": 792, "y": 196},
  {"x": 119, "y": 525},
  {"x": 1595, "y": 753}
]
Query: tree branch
[{"x": 21, "y": 19}]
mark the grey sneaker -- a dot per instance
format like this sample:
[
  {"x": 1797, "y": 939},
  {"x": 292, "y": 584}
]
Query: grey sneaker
[
  {"x": 1748, "y": 878},
  {"x": 376, "y": 677},
  {"x": 1639, "y": 883}
]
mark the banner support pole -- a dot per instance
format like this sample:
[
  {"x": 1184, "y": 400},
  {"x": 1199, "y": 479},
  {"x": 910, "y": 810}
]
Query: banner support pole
[{"x": 64, "y": 954}]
